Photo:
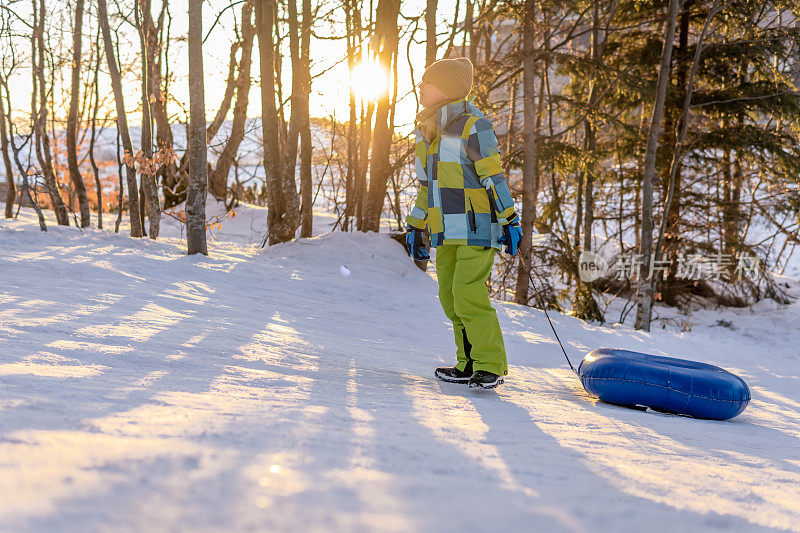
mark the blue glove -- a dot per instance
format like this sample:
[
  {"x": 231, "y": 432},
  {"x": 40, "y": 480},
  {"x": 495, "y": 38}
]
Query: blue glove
[
  {"x": 511, "y": 237},
  {"x": 415, "y": 246}
]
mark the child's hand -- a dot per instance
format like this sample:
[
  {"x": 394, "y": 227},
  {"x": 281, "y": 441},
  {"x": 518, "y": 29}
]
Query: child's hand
[
  {"x": 512, "y": 235},
  {"x": 414, "y": 245}
]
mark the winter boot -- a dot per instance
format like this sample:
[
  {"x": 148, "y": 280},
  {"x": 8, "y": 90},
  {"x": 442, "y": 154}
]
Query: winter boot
[
  {"x": 452, "y": 374},
  {"x": 482, "y": 379}
]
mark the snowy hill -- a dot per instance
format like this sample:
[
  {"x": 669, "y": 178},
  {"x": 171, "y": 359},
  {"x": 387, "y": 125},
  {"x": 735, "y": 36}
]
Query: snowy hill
[{"x": 291, "y": 389}]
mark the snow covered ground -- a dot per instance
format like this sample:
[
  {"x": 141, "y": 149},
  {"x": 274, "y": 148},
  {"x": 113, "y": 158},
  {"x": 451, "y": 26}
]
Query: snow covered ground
[{"x": 144, "y": 390}]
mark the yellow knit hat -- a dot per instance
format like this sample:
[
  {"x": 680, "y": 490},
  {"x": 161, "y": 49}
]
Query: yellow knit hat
[{"x": 452, "y": 76}]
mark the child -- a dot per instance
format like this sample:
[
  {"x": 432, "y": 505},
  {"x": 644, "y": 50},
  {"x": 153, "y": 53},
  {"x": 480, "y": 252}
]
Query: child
[{"x": 465, "y": 202}]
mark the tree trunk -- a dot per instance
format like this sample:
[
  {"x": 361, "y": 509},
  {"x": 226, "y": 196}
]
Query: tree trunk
[
  {"x": 363, "y": 143},
  {"x": 669, "y": 232},
  {"x": 120, "y": 185},
  {"x": 431, "y": 45},
  {"x": 727, "y": 187},
  {"x": 645, "y": 292},
  {"x": 590, "y": 135},
  {"x": 637, "y": 185},
  {"x": 388, "y": 36},
  {"x": 11, "y": 193},
  {"x": 670, "y": 229},
  {"x": 579, "y": 211},
  {"x": 196, "y": 194},
  {"x": 584, "y": 304},
  {"x": 43, "y": 152},
  {"x": 351, "y": 23},
  {"x": 469, "y": 32},
  {"x": 363, "y": 162},
  {"x": 306, "y": 192},
  {"x": 72, "y": 118},
  {"x": 230, "y": 90},
  {"x": 488, "y": 30},
  {"x": 218, "y": 177},
  {"x": 293, "y": 132},
  {"x": 511, "y": 128},
  {"x": 529, "y": 163},
  {"x": 673, "y": 213},
  {"x": 173, "y": 176},
  {"x": 149, "y": 169},
  {"x": 299, "y": 125},
  {"x": 142, "y": 205},
  {"x": 734, "y": 240},
  {"x": 732, "y": 190},
  {"x": 590, "y": 145},
  {"x": 122, "y": 122},
  {"x": 95, "y": 108},
  {"x": 283, "y": 202}
]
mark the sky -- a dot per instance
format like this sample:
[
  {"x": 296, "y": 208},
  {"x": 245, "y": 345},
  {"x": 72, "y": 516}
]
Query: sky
[{"x": 330, "y": 88}]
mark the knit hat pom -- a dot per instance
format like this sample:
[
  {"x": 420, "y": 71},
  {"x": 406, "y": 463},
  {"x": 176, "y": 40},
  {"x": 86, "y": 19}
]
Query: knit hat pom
[{"x": 451, "y": 76}]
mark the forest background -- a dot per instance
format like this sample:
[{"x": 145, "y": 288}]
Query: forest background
[{"x": 662, "y": 136}]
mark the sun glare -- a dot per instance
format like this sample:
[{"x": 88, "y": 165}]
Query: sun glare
[{"x": 368, "y": 80}]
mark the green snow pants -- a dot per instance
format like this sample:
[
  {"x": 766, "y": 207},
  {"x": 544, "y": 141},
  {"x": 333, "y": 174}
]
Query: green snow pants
[{"x": 462, "y": 271}]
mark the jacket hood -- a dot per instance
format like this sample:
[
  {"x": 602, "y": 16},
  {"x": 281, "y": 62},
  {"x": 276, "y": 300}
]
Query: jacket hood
[{"x": 446, "y": 113}]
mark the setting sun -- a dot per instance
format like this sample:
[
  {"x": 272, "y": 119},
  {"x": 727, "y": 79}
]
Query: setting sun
[{"x": 368, "y": 80}]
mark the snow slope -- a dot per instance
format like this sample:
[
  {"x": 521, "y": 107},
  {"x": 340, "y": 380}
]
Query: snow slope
[{"x": 144, "y": 390}]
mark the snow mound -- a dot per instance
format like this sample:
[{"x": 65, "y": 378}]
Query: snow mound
[{"x": 376, "y": 256}]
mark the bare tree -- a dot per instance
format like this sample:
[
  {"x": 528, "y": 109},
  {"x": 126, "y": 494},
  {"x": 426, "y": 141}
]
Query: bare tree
[
  {"x": 218, "y": 177},
  {"x": 673, "y": 188},
  {"x": 306, "y": 215},
  {"x": 173, "y": 175},
  {"x": 148, "y": 167},
  {"x": 283, "y": 203},
  {"x": 72, "y": 117},
  {"x": 353, "y": 33},
  {"x": 645, "y": 292},
  {"x": 529, "y": 164},
  {"x": 196, "y": 196},
  {"x": 43, "y": 152},
  {"x": 122, "y": 121},
  {"x": 472, "y": 33},
  {"x": 366, "y": 140},
  {"x": 387, "y": 37},
  {"x": 590, "y": 135},
  {"x": 93, "y": 135},
  {"x": 11, "y": 193},
  {"x": 11, "y": 190},
  {"x": 299, "y": 124},
  {"x": 431, "y": 45},
  {"x": 584, "y": 303}
]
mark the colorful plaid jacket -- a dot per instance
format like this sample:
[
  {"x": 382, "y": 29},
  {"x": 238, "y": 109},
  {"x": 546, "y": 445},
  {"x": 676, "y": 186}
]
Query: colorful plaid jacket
[{"x": 457, "y": 171}]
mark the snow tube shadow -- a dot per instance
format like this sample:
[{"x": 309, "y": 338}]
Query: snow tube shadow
[{"x": 666, "y": 384}]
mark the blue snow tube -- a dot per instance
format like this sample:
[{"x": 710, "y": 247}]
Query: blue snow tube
[{"x": 663, "y": 383}]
